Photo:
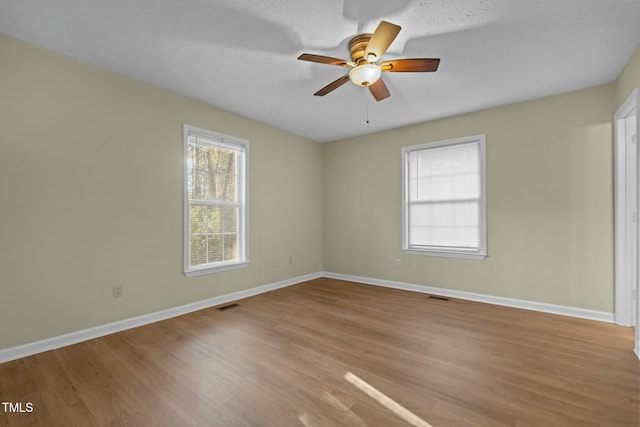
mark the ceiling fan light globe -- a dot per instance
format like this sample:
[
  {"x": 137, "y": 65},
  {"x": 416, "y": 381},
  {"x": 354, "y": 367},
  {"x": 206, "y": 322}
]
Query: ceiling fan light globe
[{"x": 365, "y": 74}]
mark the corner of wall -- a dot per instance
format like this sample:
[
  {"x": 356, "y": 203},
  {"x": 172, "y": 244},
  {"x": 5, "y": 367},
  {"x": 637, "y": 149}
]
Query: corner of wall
[{"x": 628, "y": 80}]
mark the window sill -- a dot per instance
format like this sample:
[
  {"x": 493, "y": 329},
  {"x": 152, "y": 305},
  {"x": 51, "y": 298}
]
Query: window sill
[
  {"x": 215, "y": 269},
  {"x": 463, "y": 255}
]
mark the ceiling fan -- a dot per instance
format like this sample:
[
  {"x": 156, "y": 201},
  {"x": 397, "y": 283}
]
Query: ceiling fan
[{"x": 366, "y": 50}]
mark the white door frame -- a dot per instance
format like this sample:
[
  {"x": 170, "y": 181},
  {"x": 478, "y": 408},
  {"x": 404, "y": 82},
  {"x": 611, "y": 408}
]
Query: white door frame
[{"x": 627, "y": 311}]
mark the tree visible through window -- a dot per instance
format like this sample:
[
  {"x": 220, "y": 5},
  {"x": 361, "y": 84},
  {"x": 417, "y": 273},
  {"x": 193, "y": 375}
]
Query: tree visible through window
[{"x": 216, "y": 201}]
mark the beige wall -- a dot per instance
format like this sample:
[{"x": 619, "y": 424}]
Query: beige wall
[
  {"x": 628, "y": 80},
  {"x": 91, "y": 196},
  {"x": 549, "y": 184}
]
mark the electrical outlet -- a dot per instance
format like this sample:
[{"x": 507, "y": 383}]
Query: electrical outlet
[
  {"x": 398, "y": 263},
  {"x": 290, "y": 260},
  {"x": 117, "y": 291},
  {"x": 275, "y": 263}
]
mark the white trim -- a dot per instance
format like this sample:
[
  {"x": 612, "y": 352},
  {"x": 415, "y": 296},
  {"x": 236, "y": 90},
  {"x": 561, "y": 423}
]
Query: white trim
[
  {"x": 219, "y": 267},
  {"x": 217, "y": 139},
  {"x": 206, "y": 133},
  {"x": 479, "y": 253},
  {"x": 562, "y": 310},
  {"x": 30, "y": 349},
  {"x": 623, "y": 287},
  {"x": 445, "y": 254}
]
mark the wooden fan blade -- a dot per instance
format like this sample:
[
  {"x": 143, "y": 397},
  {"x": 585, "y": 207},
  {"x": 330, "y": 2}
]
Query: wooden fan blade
[
  {"x": 419, "y": 65},
  {"x": 379, "y": 90},
  {"x": 324, "y": 59},
  {"x": 381, "y": 39},
  {"x": 333, "y": 85}
]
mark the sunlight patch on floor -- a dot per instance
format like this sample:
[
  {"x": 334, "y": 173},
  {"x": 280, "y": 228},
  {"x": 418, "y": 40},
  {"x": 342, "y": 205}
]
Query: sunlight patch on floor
[{"x": 386, "y": 401}]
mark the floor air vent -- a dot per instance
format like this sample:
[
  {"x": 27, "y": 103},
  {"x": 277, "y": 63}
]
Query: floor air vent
[
  {"x": 438, "y": 297},
  {"x": 227, "y": 307}
]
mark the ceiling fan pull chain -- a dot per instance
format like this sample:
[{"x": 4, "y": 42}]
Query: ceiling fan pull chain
[{"x": 366, "y": 105}]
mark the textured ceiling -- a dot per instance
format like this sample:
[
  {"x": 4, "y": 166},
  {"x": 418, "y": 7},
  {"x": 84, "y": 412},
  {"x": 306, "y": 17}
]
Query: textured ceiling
[{"x": 240, "y": 55}]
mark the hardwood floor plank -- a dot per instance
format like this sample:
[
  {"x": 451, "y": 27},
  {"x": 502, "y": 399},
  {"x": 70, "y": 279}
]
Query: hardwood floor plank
[
  {"x": 61, "y": 399},
  {"x": 19, "y": 388},
  {"x": 289, "y": 358}
]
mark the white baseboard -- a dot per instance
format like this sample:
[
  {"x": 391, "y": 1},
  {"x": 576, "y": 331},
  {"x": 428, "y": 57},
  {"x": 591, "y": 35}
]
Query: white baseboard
[
  {"x": 30, "y": 349},
  {"x": 582, "y": 313}
]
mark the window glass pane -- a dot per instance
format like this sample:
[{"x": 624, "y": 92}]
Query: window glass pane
[
  {"x": 214, "y": 220},
  {"x": 214, "y": 233},
  {"x": 198, "y": 172},
  {"x": 198, "y": 219},
  {"x": 230, "y": 246},
  {"x": 225, "y": 187},
  {"x": 444, "y": 224},
  {"x": 229, "y": 219},
  {"x": 212, "y": 173},
  {"x": 444, "y": 173},
  {"x": 198, "y": 249},
  {"x": 214, "y": 250}
]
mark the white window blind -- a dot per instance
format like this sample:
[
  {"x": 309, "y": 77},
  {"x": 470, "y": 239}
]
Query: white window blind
[
  {"x": 215, "y": 201},
  {"x": 443, "y": 198}
]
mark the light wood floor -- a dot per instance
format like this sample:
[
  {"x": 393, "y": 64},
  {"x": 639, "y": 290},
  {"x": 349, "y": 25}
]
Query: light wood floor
[{"x": 329, "y": 352}]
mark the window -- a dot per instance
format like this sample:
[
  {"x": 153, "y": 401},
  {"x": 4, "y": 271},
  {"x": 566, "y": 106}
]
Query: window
[
  {"x": 215, "y": 206},
  {"x": 443, "y": 198}
]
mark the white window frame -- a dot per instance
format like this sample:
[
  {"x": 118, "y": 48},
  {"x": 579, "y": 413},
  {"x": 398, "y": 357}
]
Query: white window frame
[
  {"x": 241, "y": 146},
  {"x": 478, "y": 253}
]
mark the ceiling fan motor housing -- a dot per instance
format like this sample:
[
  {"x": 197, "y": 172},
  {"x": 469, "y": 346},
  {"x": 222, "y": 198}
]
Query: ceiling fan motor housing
[{"x": 357, "y": 46}]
